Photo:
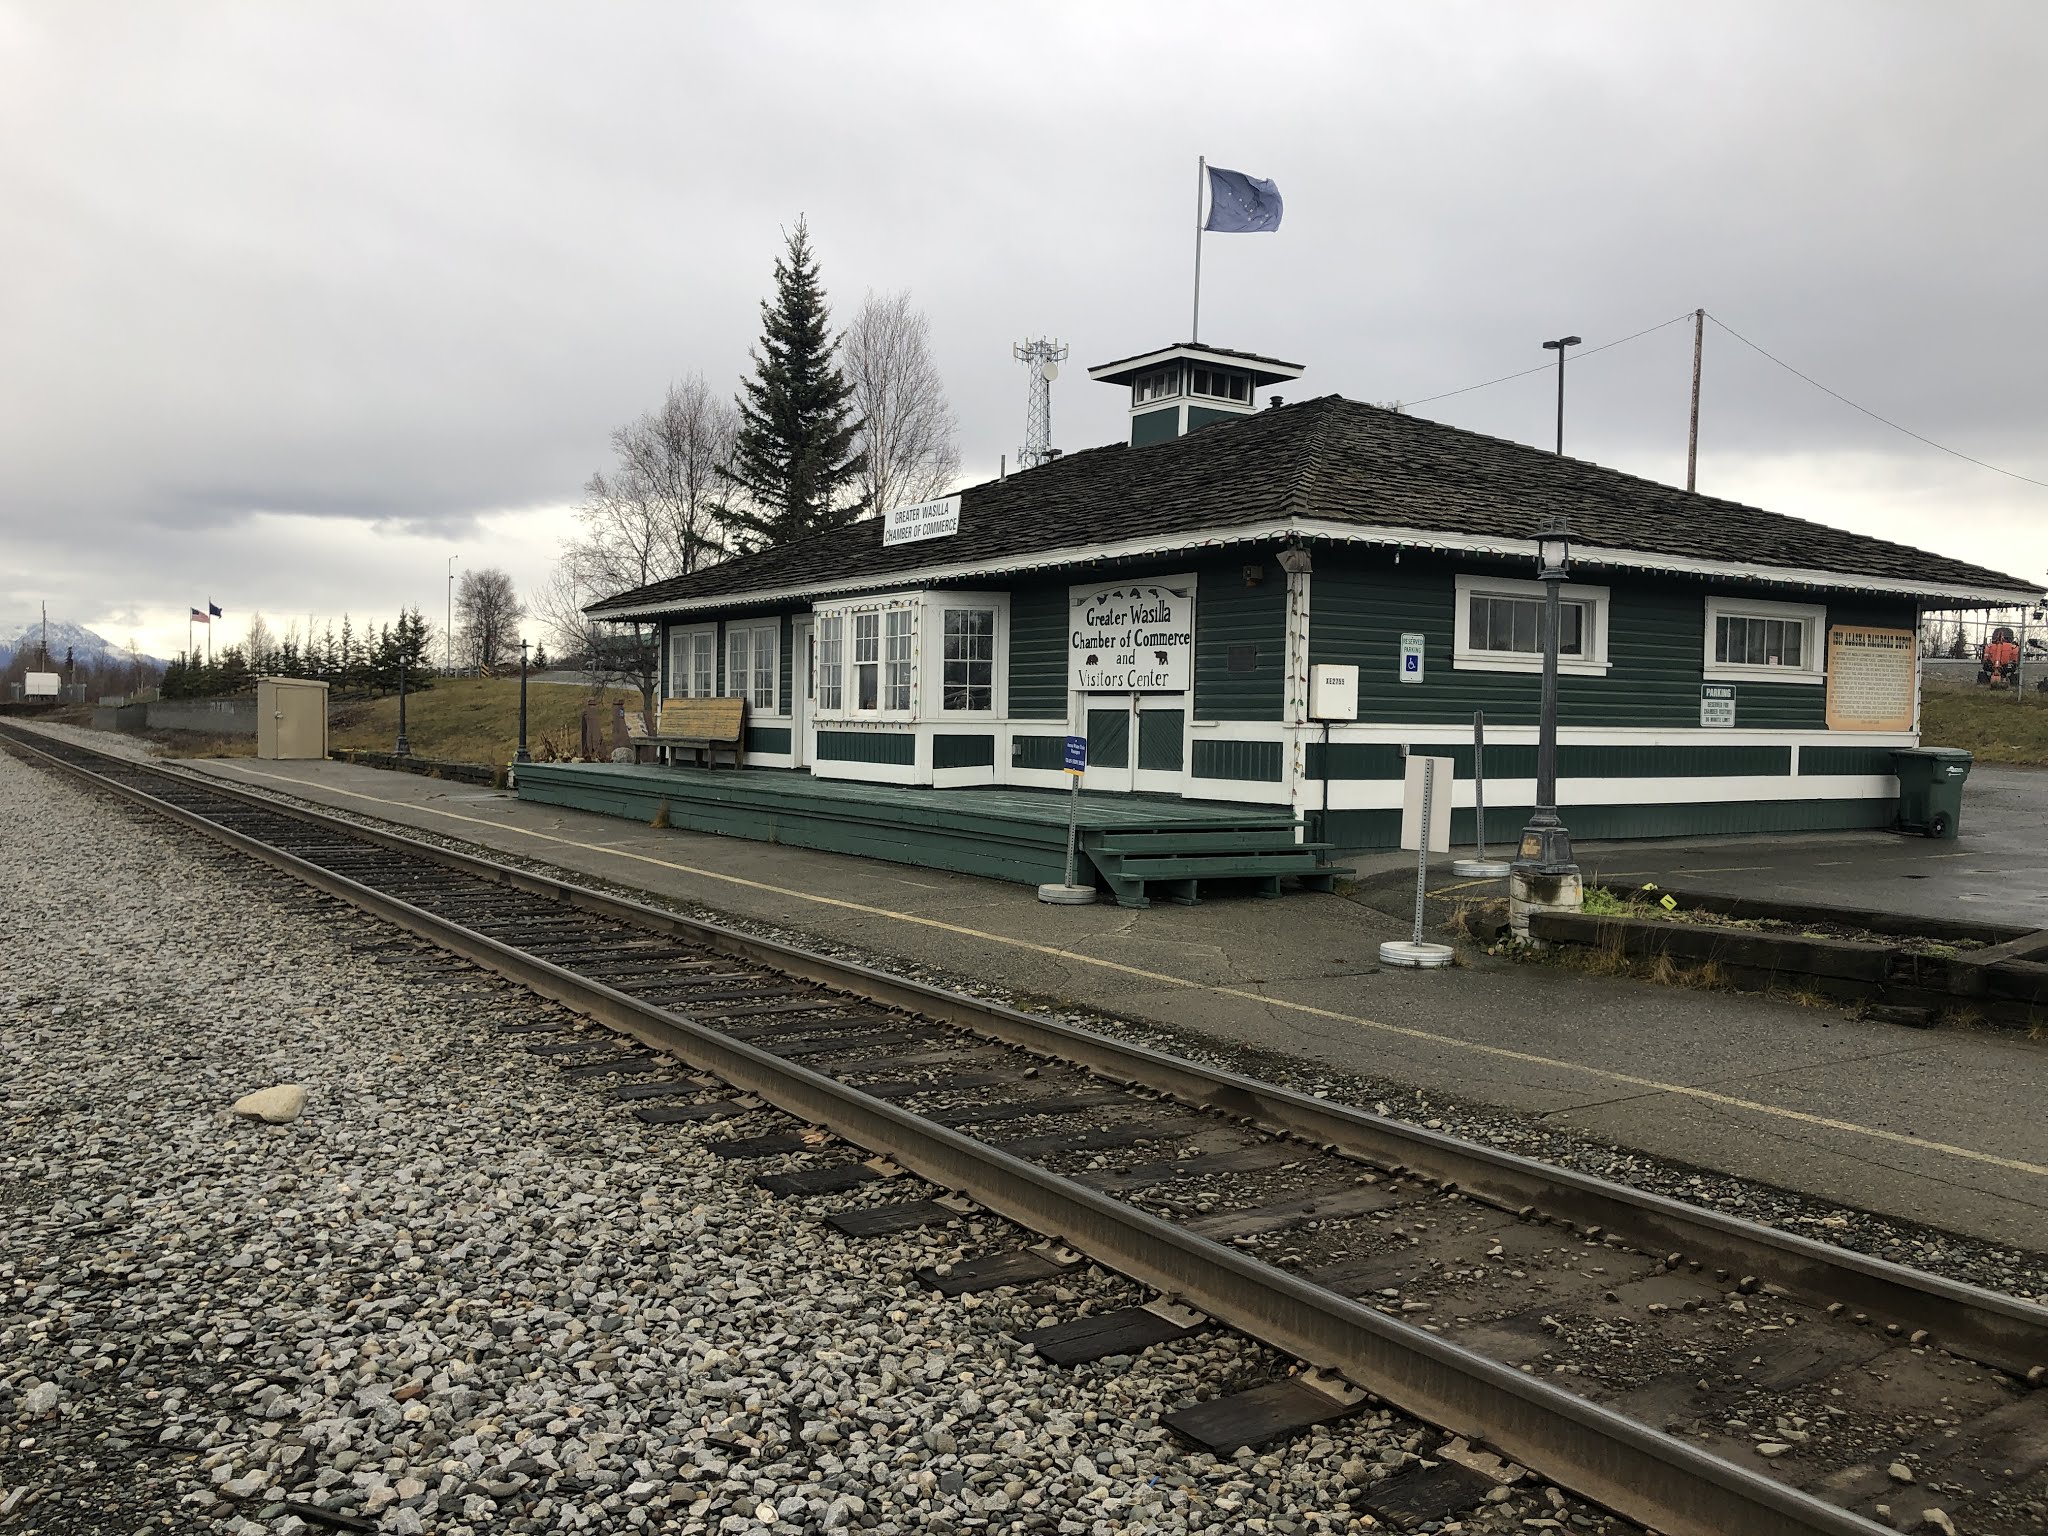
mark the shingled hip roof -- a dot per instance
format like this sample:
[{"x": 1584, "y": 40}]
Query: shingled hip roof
[{"x": 1337, "y": 470}]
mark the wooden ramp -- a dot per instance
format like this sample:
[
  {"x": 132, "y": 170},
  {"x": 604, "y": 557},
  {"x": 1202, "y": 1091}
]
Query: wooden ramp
[{"x": 1136, "y": 846}]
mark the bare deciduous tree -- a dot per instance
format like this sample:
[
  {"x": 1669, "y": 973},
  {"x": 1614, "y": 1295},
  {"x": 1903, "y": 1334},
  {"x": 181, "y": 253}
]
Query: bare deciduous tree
[
  {"x": 659, "y": 513},
  {"x": 487, "y": 615},
  {"x": 908, "y": 431},
  {"x": 261, "y": 641}
]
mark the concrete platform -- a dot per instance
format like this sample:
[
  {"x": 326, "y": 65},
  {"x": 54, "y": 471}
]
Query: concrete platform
[{"x": 1940, "y": 1127}]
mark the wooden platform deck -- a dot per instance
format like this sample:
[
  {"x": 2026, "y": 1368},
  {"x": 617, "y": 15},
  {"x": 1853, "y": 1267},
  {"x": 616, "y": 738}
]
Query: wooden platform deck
[{"x": 1129, "y": 843}]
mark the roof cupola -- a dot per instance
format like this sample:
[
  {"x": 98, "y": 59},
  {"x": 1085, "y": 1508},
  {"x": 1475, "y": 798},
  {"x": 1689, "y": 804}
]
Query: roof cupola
[{"x": 1179, "y": 388}]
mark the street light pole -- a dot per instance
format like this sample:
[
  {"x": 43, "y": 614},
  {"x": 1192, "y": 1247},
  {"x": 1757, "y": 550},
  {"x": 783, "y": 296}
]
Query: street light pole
[
  {"x": 1558, "y": 347},
  {"x": 404, "y": 748},
  {"x": 448, "y": 629},
  {"x": 521, "y": 756},
  {"x": 1544, "y": 875}
]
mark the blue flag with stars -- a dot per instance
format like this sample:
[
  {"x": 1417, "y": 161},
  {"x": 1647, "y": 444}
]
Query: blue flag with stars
[{"x": 1241, "y": 204}]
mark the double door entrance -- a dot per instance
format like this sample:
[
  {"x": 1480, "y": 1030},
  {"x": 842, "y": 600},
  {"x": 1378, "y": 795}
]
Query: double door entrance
[{"x": 1136, "y": 741}]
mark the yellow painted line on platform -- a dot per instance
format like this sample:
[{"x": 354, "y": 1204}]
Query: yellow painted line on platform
[{"x": 1500, "y": 1052}]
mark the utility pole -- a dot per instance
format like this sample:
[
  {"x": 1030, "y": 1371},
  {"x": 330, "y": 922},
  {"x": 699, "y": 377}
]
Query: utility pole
[
  {"x": 1692, "y": 438},
  {"x": 1558, "y": 347},
  {"x": 448, "y": 629}
]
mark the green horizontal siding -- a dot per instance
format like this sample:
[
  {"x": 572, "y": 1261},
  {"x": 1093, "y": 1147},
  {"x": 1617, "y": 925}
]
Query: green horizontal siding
[
  {"x": 1575, "y": 760},
  {"x": 1361, "y": 604},
  {"x": 1251, "y": 761},
  {"x": 1247, "y": 626},
  {"x": 962, "y": 751},
  {"x": 1038, "y": 653},
  {"x": 1043, "y": 753},
  {"x": 767, "y": 738},
  {"x": 1819, "y": 761},
  {"x": 1362, "y": 830},
  {"x": 898, "y": 748}
]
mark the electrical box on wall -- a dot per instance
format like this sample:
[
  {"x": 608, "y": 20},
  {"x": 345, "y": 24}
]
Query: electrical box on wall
[{"x": 1333, "y": 693}]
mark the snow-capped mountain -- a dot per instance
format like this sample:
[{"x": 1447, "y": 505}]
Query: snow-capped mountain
[{"x": 84, "y": 643}]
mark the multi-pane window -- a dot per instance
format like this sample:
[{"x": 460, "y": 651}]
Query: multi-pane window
[
  {"x": 693, "y": 664},
  {"x": 1157, "y": 385},
  {"x": 1515, "y": 624},
  {"x": 867, "y": 660},
  {"x": 1222, "y": 384},
  {"x": 750, "y": 665},
  {"x": 970, "y": 680},
  {"x": 896, "y": 669},
  {"x": 1746, "y": 640},
  {"x": 831, "y": 660}
]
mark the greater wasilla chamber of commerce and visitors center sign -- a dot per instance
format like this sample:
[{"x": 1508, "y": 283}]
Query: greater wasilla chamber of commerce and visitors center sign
[
  {"x": 1130, "y": 638},
  {"x": 927, "y": 520}
]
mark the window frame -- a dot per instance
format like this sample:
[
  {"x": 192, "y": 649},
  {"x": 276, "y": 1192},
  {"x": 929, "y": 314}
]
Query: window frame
[
  {"x": 686, "y": 636},
  {"x": 1812, "y": 668},
  {"x": 925, "y": 610},
  {"x": 1175, "y": 378},
  {"x": 1593, "y": 660},
  {"x": 754, "y": 630},
  {"x": 947, "y": 604}
]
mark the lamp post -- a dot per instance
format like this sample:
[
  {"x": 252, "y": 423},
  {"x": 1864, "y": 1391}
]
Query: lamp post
[
  {"x": 404, "y": 747},
  {"x": 448, "y": 629},
  {"x": 1558, "y": 347},
  {"x": 1544, "y": 876},
  {"x": 521, "y": 756}
]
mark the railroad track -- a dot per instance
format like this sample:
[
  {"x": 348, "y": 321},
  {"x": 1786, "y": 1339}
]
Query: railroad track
[{"x": 1688, "y": 1370}]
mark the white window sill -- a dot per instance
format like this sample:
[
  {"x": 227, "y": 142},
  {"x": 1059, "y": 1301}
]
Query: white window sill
[
  {"x": 1503, "y": 661},
  {"x": 1728, "y": 674}
]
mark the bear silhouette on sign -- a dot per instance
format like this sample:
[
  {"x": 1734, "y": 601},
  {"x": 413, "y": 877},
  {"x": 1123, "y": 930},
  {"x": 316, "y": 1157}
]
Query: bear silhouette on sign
[
  {"x": 1091, "y": 661},
  {"x": 1161, "y": 657}
]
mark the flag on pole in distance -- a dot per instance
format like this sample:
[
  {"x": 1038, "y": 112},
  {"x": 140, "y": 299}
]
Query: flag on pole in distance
[
  {"x": 212, "y": 608},
  {"x": 1241, "y": 204},
  {"x": 199, "y": 618}
]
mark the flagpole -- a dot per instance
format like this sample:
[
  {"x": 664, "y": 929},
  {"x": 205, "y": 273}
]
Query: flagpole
[
  {"x": 209, "y": 631},
  {"x": 1201, "y": 176}
]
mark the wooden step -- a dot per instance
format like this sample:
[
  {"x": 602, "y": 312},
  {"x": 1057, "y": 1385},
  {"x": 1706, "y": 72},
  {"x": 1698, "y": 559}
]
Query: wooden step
[
  {"x": 1197, "y": 842},
  {"x": 1208, "y": 866}
]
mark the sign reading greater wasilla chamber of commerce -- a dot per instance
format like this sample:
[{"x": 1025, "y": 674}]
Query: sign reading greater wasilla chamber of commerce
[
  {"x": 927, "y": 520},
  {"x": 1133, "y": 637}
]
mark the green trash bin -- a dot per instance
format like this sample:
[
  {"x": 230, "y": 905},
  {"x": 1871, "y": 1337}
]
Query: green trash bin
[{"x": 1931, "y": 789}]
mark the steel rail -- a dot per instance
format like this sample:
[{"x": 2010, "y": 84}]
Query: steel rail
[{"x": 1617, "y": 1462}]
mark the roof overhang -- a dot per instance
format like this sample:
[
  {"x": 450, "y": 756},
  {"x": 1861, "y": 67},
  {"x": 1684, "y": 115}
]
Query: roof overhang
[
  {"x": 1313, "y": 530},
  {"x": 1264, "y": 370}
]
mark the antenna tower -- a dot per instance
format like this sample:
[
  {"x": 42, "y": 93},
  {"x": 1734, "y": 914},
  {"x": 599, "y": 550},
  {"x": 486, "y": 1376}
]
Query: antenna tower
[{"x": 1043, "y": 358}]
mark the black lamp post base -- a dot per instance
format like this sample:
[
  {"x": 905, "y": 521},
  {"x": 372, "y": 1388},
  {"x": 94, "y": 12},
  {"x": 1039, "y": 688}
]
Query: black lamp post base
[
  {"x": 402, "y": 749},
  {"x": 1546, "y": 850}
]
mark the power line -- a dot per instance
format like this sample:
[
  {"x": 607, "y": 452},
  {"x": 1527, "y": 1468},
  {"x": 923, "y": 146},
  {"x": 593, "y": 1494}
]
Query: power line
[
  {"x": 1548, "y": 367},
  {"x": 1873, "y": 415}
]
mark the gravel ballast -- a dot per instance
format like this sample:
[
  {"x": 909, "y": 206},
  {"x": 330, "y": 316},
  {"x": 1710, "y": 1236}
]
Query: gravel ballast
[{"x": 459, "y": 1293}]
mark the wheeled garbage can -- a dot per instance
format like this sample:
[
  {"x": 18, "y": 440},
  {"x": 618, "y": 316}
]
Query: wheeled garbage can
[{"x": 1931, "y": 789}]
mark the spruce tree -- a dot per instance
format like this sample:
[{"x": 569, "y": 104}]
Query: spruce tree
[{"x": 794, "y": 458}]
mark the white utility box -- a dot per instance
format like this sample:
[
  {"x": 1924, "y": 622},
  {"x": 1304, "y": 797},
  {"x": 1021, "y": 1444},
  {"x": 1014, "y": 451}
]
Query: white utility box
[
  {"x": 43, "y": 685},
  {"x": 1332, "y": 693},
  {"x": 291, "y": 718}
]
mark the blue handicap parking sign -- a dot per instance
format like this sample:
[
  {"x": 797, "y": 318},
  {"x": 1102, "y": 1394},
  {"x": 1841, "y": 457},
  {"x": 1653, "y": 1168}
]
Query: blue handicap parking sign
[{"x": 1077, "y": 754}]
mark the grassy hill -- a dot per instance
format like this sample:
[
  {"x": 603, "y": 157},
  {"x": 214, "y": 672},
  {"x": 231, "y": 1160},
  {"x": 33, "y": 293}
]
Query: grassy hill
[
  {"x": 1988, "y": 722},
  {"x": 472, "y": 720}
]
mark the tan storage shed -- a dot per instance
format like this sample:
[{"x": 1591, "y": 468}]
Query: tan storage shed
[{"x": 291, "y": 718}]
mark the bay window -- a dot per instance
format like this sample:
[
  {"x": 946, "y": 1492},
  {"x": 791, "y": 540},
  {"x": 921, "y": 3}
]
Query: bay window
[{"x": 912, "y": 656}]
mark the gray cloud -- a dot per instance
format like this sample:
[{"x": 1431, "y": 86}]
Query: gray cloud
[{"x": 407, "y": 265}]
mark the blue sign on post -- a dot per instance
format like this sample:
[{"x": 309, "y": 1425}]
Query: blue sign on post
[{"x": 1077, "y": 755}]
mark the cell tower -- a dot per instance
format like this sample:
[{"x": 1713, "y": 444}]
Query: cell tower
[{"x": 1043, "y": 357}]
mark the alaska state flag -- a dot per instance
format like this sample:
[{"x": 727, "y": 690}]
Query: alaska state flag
[
  {"x": 212, "y": 608},
  {"x": 1241, "y": 204}
]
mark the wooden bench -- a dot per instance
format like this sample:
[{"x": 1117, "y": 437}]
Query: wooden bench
[{"x": 702, "y": 726}]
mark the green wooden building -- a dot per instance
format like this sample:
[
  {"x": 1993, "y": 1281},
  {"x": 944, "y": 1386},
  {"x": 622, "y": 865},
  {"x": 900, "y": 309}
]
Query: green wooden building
[{"x": 1725, "y": 669}]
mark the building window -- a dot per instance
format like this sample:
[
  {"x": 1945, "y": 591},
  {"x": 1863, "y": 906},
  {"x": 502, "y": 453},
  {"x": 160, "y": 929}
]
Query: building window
[
  {"x": 1498, "y": 626},
  {"x": 1221, "y": 384},
  {"x": 896, "y": 668},
  {"x": 1159, "y": 384},
  {"x": 970, "y": 680},
  {"x": 867, "y": 661},
  {"x": 693, "y": 663},
  {"x": 750, "y": 664},
  {"x": 1761, "y": 639},
  {"x": 831, "y": 660}
]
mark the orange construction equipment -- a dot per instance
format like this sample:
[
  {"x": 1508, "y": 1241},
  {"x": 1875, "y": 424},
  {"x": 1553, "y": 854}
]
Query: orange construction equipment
[{"x": 2000, "y": 659}]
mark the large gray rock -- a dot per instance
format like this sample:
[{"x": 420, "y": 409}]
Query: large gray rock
[{"x": 275, "y": 1106}]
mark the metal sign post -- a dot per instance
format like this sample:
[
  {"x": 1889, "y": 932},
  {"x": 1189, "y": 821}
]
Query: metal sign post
[
  {"x": 1075, "y": 763},
  {"x": 1414, "y": 954},
  {"x": 1479, "y": 866}
]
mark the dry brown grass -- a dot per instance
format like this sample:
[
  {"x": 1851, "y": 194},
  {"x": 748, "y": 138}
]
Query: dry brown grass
[{"x": 473, "y": 720}]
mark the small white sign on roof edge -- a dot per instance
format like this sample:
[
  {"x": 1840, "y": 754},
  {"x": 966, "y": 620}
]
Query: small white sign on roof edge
[{"x": 926, "y": 520}]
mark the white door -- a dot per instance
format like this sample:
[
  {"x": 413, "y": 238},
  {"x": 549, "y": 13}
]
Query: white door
[
  {"x": 803, "y": 682},
  {"x": 1136, "y": 741}
]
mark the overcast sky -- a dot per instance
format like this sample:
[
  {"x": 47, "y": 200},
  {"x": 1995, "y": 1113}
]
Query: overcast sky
[{"x": 300, "y": 300}]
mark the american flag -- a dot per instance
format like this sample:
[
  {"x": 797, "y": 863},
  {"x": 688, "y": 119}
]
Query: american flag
[{"x": 199, "y": 617}]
